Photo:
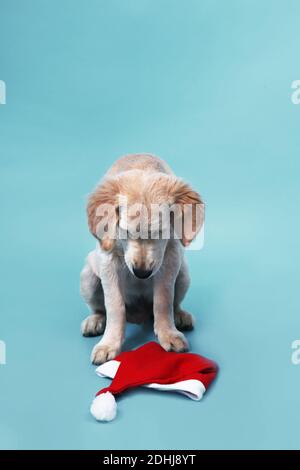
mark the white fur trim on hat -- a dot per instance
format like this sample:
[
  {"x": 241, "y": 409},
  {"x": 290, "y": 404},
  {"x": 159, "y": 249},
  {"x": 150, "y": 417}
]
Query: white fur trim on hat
[{"x": 108, "y": 369}]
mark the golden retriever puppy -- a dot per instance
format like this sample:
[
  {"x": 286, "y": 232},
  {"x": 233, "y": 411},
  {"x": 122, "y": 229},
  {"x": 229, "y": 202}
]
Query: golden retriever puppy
[{"x": 142, "y": 216}]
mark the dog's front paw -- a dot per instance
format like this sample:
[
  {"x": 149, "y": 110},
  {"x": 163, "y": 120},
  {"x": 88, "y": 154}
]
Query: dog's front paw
[
  {"x": 103, "y": 352},
  {"x": 184, "y": 321},
  {"x": 173, "y": 340},
  {"x": 93, "y": 325}
]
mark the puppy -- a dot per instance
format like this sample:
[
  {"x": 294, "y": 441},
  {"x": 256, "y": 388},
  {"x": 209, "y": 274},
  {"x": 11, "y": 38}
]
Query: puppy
[{"x": 142, "y": 216}]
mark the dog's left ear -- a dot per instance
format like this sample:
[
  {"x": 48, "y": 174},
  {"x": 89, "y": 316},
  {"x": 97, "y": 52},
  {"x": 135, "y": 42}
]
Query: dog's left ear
[{"x": 189, "y": 208}]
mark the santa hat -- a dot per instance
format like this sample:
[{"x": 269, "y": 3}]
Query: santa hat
[{"x": 151, "y": 366}]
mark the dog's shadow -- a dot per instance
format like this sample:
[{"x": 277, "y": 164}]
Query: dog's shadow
[{"x": 137, "y": 335}]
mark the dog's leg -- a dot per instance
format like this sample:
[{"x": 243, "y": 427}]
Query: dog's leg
[
  {"x": 92, "y": 292},
  {"x": 110, "y": 345},
  {"x": 183, "y": 320},
  {"x": 164, "y": 283}
]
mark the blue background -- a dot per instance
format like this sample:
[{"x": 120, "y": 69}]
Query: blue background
[{"x": 207, "y": 86}]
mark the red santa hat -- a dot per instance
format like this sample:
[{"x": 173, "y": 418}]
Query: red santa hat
[{"x": 151, "y": 366}]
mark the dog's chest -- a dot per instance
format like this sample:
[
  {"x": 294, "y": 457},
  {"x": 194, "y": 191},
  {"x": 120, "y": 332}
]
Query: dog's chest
[{"x": 137, "y": 288}]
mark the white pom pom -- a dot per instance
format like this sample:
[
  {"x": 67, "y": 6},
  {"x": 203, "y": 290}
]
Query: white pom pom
[{"x": 104, "y": 407}]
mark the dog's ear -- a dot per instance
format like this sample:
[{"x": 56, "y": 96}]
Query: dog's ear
[
  {"x": 103, "y": 214},
  {"x": 188, "y": 210}
]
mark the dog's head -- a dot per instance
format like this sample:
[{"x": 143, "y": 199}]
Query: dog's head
[{"x": 140, "y": 213}]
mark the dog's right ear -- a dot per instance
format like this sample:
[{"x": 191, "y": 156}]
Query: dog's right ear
[
  {"x": 191, "y": 210},
  {"x": 103, "y": 214}
]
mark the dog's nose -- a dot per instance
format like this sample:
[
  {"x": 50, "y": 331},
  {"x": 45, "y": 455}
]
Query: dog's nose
[{"x": 142, "y": 273}]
